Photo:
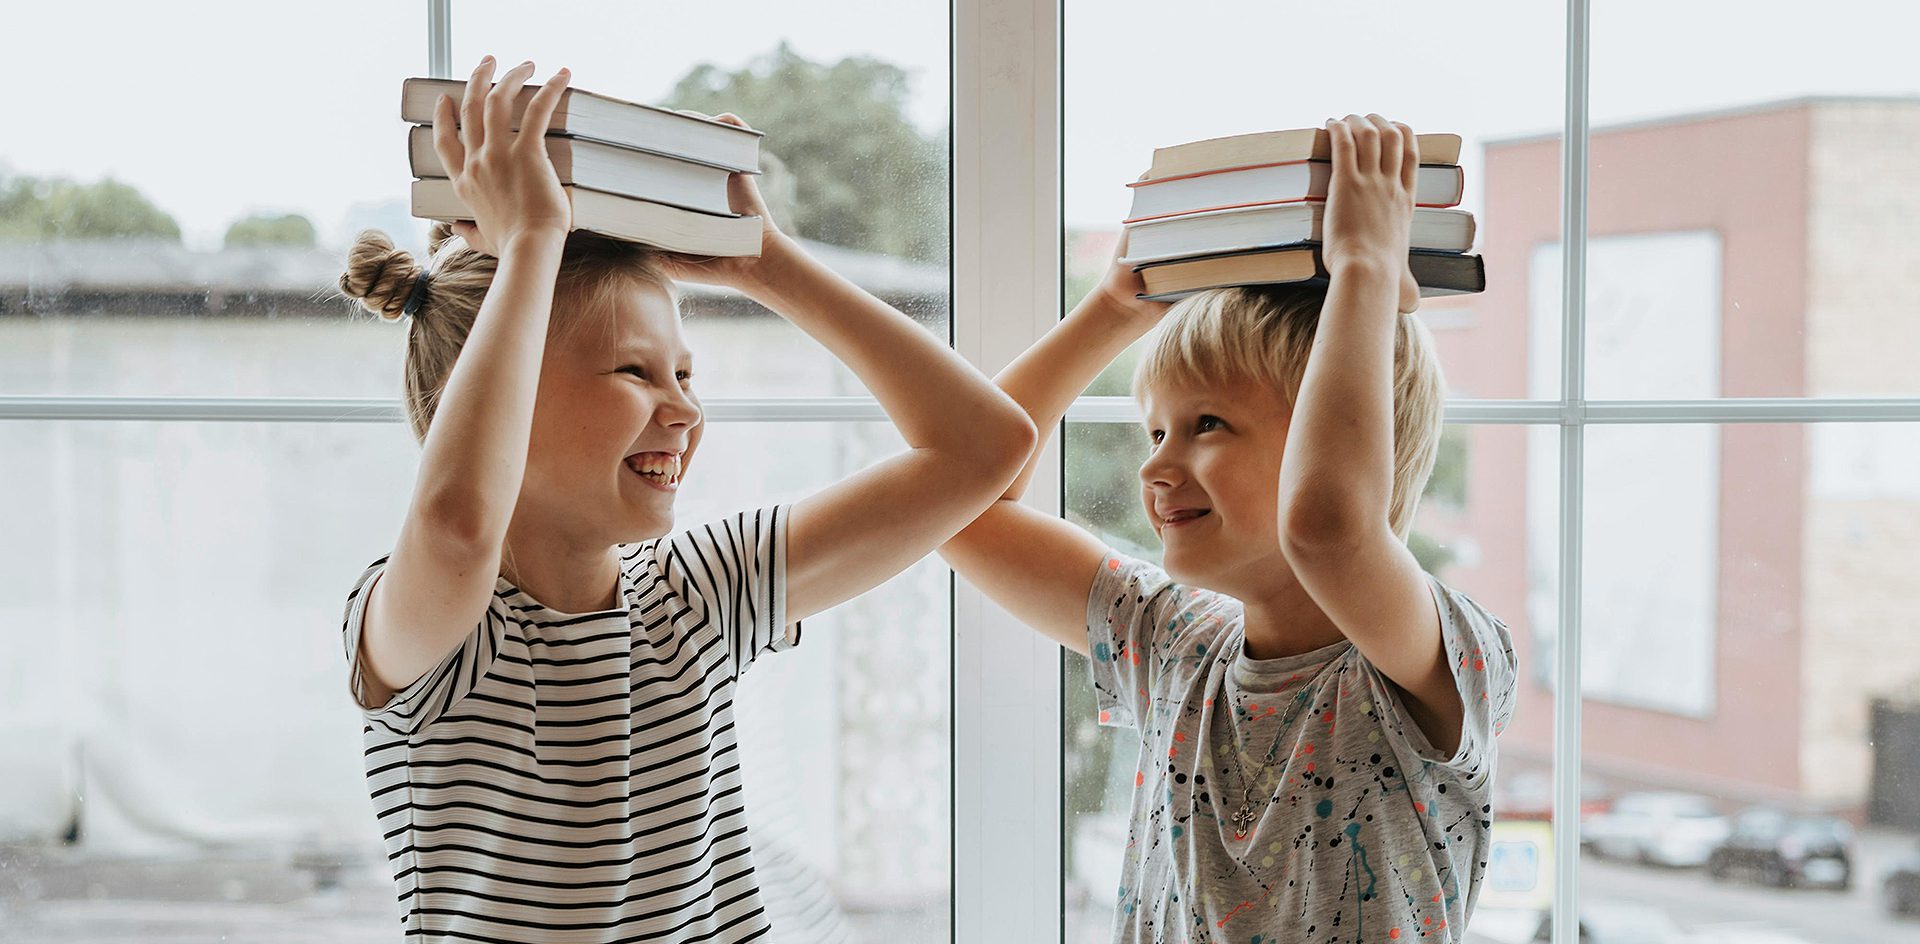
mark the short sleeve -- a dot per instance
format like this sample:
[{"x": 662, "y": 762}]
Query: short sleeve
[
  {"x": 1480, "y": 653},
  {"x": 733, "y": 574},
  {"x": 443, "y": 686},
  {"x": 1142, "y": 630}
]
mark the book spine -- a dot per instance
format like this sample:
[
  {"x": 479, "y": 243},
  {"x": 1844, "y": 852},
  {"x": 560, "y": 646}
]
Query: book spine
[{"x": 1150, "y": 179}]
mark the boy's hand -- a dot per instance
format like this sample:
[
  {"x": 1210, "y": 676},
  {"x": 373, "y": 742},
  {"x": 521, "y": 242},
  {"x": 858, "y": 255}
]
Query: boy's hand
[
  {"x": 1370, "y": 202},
  {"x": 739, "y": 272},
  {"x": 1120, "y": 288},
  {"x": 504, "y": 177}
]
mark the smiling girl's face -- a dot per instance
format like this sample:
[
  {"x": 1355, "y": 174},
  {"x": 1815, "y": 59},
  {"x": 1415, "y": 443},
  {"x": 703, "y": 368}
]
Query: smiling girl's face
[
  {"x": 1211, "y": 482},
  {"x": 615, "y": 423}
]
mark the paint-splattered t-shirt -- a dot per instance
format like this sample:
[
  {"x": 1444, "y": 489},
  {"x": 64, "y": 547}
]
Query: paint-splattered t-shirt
[{"x": 1355, "y": 829}]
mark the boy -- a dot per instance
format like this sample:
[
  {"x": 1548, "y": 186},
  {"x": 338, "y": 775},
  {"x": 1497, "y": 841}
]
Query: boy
[{"x": 1316, "y": 713}]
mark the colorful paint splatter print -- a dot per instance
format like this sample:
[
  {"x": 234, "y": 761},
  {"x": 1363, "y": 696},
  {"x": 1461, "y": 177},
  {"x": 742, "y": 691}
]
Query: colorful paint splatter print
[{"x": 1355, "y": 829}]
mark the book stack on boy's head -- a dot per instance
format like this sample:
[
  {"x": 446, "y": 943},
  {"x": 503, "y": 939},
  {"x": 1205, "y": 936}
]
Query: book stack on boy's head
[
  {"x": 632, "y": 171},
  {"x": 1248, "y": 210}
]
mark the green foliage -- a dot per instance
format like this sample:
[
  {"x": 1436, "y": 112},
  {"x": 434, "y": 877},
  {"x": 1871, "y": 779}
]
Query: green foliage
[
  {"x": 1103, "y": 483},
  {"x": 1432, "y": 555},
  {"x": 859, "y": 173},
  {"x": 290, "y": 229},
  {"x": 34, "y": 209},
  {"x": 1448, "y": 483}
]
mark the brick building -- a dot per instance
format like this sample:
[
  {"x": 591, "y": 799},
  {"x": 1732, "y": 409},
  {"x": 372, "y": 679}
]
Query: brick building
[{"x": 1750, "y": 589}]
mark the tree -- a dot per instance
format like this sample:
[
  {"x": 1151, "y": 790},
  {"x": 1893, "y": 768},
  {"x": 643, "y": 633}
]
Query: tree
[
  {"x": 34, "y": 209},
  {"x": 260, "y": 229},
  {"x": 857, "y": 172}
]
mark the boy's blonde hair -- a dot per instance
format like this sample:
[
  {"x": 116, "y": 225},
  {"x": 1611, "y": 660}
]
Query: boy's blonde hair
[
  {"x": 380, "y": 276},
  {"x": 1263, "y": 335}
]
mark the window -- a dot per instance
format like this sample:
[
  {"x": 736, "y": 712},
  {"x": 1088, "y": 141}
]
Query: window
[
  {"x": 1718, "y": 573},
  {"x": 188, "y": 384},
  {"x": 1686, "y": 483}
]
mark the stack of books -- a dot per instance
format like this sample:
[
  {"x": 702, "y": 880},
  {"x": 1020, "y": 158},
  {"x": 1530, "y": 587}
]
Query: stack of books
[
  {"x": 632, "y": 171},
  {"x": 1248, "y": 210}
]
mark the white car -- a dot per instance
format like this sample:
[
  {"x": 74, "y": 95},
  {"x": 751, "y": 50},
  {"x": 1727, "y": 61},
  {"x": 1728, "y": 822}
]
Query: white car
[
  {"x": 1601, "y": 922},
  {"x": 1672, "y": 829}
]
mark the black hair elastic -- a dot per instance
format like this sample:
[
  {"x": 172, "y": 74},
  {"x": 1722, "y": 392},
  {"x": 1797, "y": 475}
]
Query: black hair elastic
[{"x": 417, "y": 298}]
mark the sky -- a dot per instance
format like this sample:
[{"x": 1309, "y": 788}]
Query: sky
[{"x": 255, "y": 107}]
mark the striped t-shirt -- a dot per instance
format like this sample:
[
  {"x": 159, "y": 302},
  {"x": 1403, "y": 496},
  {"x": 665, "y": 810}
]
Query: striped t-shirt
[{"x": 575, "y": 777}]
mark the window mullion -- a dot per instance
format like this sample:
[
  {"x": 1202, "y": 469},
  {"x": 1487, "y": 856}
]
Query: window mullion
[
  {"x": 1566, "y": 728},
  {"x": 1006, "y": 290},
  {"x": 440, "y": 39}
]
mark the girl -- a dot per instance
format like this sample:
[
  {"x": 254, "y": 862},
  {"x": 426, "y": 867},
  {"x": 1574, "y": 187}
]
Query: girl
[
  {"x": 1316, "y": 714},
  {"x": 546, "y": 668}
]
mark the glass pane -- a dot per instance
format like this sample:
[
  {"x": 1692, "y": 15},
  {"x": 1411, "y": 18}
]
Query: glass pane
[
  {"x": 1473, "y": 535},
  {"x": 1753, "y": 201},
  {"x": 125, "y": 816},
  {"x": 1490, "y": 72},
  {"x": 853, "y": 98},
  {"x": 1752, "y": 683},
  {"x": 110, "y": 254},
  {"x": 1103, "y": 496},
  {"x": 169, "y": 250},
  {"x": 1470, "y": 535}
]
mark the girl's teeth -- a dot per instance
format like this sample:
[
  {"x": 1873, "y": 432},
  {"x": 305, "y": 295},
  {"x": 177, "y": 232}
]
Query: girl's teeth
[{"x": 669, "y": 467}]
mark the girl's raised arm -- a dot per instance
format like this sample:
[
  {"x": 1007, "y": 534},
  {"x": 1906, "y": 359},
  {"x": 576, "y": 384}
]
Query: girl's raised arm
[
  {"x": 440, "y": 577},
  {"x": 966, "y": 440}
]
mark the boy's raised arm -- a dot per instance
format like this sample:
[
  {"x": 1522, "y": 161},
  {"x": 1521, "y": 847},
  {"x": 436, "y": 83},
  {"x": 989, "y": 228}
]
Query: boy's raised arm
[
  {"x": 1037, "y": 566},
  {"x": 1336, "y": 483}
]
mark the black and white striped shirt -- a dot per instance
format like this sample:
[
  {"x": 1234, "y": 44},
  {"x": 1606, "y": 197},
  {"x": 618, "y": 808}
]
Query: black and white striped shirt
[{"x": 575, "y": 777}]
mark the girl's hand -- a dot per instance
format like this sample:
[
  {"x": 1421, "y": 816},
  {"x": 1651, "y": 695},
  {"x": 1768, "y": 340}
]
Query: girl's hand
[
  {"x": 743, "y": 196},
  {"x": 1370, "y": 202},
  {"x": 1120, "y": 288},
  {"x": 504, "y": 177}
]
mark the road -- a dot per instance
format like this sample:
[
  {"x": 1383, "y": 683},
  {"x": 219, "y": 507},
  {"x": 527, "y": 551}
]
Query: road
[{"x": 1697, "y": 902}]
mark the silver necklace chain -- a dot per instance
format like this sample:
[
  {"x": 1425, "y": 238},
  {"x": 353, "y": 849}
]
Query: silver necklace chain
[{"x": 1244, "y": 818}]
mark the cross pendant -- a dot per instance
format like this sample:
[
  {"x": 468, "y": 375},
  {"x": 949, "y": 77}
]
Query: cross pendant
[{"x": 1243, "y": 820}]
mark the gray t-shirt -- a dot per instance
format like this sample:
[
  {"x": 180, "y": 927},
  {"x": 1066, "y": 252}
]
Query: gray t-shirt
[{"x": 1290, "y": 799}]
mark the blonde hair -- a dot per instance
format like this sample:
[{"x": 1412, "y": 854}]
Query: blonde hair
[
  {"x": 1264, "y": 335},
  {"x": 381, "y": 278}
]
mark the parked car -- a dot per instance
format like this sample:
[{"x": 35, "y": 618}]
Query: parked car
[
  {"x": 1786, "y": 849},
  {"x": 1901, "y": 888},
  {"x": 1666, "y": 828},
  {"x": 1601, "y": 922},
  {"x": 1744, "y": 934}
]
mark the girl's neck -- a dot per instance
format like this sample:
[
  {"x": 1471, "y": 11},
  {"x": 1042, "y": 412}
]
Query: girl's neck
[{"x": 570, "y": 578}]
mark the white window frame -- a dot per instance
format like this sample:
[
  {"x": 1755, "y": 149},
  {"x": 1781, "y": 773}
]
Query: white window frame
[{"x": 1007, "y": 228}]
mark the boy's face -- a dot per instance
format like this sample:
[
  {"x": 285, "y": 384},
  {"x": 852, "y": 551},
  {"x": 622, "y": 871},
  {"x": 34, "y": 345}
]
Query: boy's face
[
  {"x": 615, "y": 424},
  {"x": 1211, "y": 483}
]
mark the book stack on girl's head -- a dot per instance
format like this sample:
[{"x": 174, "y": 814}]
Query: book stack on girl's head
[
  {"x": 634, "y": 172},
  {"x": 1248, "y": 210}
]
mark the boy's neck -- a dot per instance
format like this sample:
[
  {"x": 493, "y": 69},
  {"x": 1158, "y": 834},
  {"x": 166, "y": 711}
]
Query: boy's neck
[{"x": 1284, "y": 621}]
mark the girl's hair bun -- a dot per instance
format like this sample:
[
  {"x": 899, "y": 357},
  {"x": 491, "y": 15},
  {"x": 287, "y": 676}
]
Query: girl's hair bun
[
  {"x": 380, "y": 275},
  {"x": 438, "y": 234}
]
